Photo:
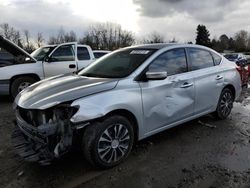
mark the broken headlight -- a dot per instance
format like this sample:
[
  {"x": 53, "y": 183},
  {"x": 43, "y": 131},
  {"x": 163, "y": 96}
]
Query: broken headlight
[{"x": 62, "y": 112}]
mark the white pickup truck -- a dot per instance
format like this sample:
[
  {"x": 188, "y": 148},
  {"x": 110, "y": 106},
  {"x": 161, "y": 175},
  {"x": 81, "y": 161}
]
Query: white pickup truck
[{"x": 18, "y": 69}]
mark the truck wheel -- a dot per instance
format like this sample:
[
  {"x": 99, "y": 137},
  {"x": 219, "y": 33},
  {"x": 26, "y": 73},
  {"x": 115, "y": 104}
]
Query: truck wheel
[
  {"x": 225, "y": 104},
  {"x": 19, "y": 84},
  {"x": 106, "y": 144}
]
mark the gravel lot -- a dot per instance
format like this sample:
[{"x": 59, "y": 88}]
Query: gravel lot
[{"x": 201, "y": 153}]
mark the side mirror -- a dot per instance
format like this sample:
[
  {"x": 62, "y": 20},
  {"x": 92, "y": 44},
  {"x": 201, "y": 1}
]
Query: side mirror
[
  {"x": 156, "y": 75},
  {"x": 49, "y": 59},
  {"x": 46, "y": 59}
]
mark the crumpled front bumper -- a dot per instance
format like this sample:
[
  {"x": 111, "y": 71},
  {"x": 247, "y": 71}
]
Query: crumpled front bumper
[
  {"x": 37, "y": 144},
  {"x": 30, "y": 149}
]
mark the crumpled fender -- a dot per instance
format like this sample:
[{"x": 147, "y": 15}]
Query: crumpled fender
[{"x": 100, "y": 104}]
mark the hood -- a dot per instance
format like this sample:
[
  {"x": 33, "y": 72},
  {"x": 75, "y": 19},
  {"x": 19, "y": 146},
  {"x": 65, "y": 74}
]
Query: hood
[
  {"x": 59, "y": 89},
  {"x": 14, "y": 49}
]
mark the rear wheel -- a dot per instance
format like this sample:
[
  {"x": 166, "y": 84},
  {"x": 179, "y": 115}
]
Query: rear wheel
[
  {"x": 20, "y": 84},
  {"x": 108, "y": 143},
  {"x": 225, "y": 104}
]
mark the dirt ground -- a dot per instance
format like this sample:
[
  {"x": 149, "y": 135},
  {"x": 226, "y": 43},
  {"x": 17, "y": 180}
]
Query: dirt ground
[{"x": 201, "y": 153}]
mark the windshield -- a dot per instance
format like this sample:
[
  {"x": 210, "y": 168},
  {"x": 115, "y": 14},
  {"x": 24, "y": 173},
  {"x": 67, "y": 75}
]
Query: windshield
[
  {"x": 40, "y": 53},
  {"x": 118, "y": 64},
  {"x": 231, "y": 56}
]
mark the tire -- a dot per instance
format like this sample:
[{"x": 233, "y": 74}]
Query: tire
[
  {"x": 19, "y": 84},
  {"x": 225, "y": 104},
  {"x": 100, "y": 145}
]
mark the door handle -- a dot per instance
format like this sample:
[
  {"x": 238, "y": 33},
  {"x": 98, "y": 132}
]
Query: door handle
[
  {"x": 72, "y": 66},
  {"x": 218, "y": 77},
  {"x": 186, "y": 85}
]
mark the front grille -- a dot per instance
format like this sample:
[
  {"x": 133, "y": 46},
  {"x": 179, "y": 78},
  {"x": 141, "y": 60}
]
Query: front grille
[{"x": 35, "y": 117}]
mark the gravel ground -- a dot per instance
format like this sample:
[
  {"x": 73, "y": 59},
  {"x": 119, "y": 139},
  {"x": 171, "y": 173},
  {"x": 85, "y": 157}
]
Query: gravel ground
[{"x": 201, "y": 153}]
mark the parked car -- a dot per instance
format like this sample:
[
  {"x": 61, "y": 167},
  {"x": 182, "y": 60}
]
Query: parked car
[
  {"x": 18, "y": 69},
  {"x": 100, "y": 53},
  {"x": 242, "y": 66},
  {"x": 129, "y": 95}
]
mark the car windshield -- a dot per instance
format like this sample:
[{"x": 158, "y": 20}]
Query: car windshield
[
  {"x": 118, "y": 64},
  {"x": 231, "y": 56},
  {"x": 40, "y": 53}
]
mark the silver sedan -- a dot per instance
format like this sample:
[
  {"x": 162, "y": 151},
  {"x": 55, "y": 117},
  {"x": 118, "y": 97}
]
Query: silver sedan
[{"x": 125, "y": 96}]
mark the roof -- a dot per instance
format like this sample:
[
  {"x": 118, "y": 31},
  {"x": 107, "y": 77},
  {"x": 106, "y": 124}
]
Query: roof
[{"x": 155, "y": 46}]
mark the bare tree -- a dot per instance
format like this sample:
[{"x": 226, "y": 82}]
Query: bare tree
[
  {"x": 11, "y": 33},
  {"x": 154, "y": 37},
  {"x": 107, "y": 36},
  {"x": 29, "y": 47},
  {"x": 174, "y": 40},
  {"x": 63, "y": 37},
  {"x": 70, "y": 37},
  {"x": 39, "y": 39}
]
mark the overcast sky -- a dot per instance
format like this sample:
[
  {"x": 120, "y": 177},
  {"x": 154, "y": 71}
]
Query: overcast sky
[{"x": 171, "y": 18}]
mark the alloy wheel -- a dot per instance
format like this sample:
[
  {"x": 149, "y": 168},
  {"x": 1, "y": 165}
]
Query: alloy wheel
[
  {"x": 226, "y": 103},
  {"x": 114, "y": 143}
]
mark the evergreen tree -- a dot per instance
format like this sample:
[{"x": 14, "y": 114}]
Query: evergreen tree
[{"x": 203, "y": 36}]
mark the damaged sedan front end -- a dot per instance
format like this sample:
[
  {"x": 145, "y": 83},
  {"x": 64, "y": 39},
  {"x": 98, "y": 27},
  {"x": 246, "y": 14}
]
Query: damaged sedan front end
[
  {"x": 44, "y": 130},
  {"x": 43, "y": 135}
]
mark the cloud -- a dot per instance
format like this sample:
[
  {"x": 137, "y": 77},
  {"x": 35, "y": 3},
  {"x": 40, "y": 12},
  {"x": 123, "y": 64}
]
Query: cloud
[
  {"x": 171, "y": 18},
  {"x": 42, "y": 16},
  {"x": 180, "y": 18},
  {"x": 204, "y": 11}
]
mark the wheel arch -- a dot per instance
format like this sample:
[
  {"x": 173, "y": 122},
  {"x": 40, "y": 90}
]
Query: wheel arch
[
  {"x": 123, "y": 112},
  {"x": 32, "y": 75},
  {"x": 130, "y": 116}
]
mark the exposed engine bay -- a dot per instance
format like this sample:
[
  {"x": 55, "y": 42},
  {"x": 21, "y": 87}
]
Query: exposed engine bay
[{"x": 43, "y": 135}]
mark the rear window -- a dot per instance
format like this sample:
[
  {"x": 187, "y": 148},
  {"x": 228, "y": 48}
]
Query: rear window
[
  {"x": 217, "y": 58},
  {"x": 200, "y": 59},
  {"x": 83, "y": 53}
]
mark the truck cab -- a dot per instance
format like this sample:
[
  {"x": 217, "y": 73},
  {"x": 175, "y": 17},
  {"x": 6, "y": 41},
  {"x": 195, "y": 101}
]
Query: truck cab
[
  {"x": 64, "y": 58},
  {"x": 18, "y": 69}
]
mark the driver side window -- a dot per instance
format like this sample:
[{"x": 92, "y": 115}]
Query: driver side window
[
  {"x": 64, "y": 53},
  {"x": 173, "y": 61}
]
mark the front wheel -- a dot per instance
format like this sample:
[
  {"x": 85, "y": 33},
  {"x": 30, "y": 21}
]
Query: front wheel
[
  {"x": 108, "y": 143},
  {"x": 225, "y": 104}
]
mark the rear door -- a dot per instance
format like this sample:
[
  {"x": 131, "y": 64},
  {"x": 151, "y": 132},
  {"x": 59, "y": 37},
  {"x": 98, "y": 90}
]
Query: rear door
[
  {"x": 62, "y": 60},
  {"x": 172, "y": 99},
  {"x": 208, "y": 79}
]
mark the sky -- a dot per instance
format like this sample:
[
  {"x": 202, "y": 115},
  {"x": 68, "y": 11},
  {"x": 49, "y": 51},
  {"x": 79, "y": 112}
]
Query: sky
[{"x": 171, "y": 18}]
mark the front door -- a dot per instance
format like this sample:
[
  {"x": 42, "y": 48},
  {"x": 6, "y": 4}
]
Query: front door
[
  {"x": 172, "y": 99},
  {"x": 62, "y": 60}
]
